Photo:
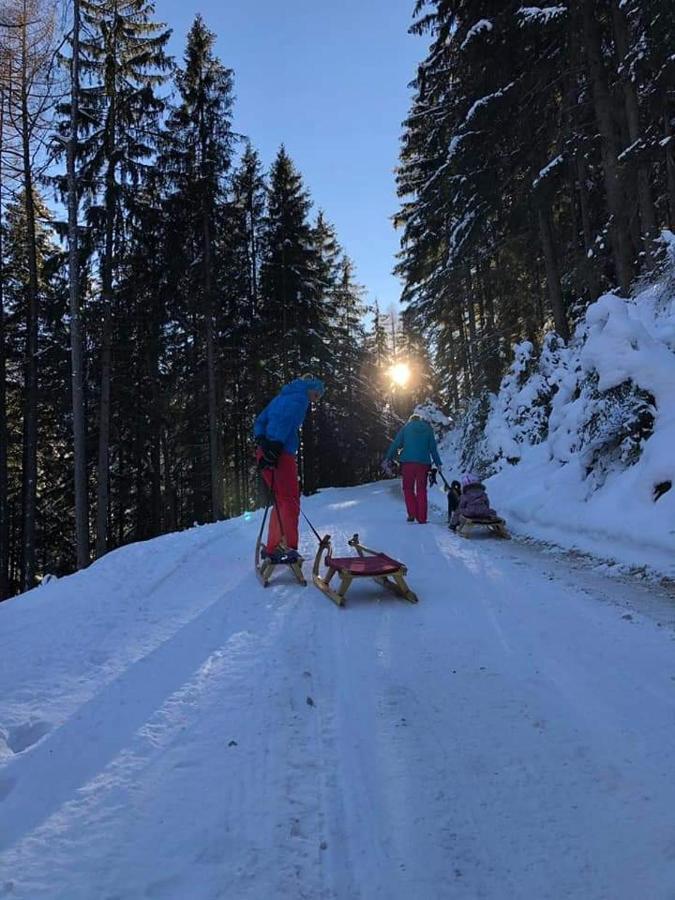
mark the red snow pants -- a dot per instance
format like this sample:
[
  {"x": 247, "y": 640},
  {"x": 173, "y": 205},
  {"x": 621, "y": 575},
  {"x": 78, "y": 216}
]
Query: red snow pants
[
  {"x": 414, "y": 477},
  {"x": 283, "y": 482}
]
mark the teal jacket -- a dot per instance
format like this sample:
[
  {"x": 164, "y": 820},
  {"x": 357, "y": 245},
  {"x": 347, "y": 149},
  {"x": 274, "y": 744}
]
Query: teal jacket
[{"x": 416, "y": 442}]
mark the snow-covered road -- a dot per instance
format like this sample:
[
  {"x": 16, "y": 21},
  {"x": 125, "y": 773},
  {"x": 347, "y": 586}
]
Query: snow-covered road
[{"x": 169, "y": 729}]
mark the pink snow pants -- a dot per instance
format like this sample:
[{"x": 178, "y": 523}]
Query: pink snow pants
[
  {"x": 414, "y": 477},
  {"x": 283, "y": 481}
]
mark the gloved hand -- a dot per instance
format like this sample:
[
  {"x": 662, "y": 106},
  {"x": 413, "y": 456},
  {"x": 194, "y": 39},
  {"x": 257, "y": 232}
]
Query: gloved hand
[
  {"x": 271, "y": 451},
  {"x": 387, "y": 467}
]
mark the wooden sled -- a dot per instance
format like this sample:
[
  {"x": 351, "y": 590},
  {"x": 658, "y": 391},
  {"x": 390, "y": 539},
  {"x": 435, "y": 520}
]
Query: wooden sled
[
  {"x": 265, "y": 568},
  {"x": 368, "y": 564},
  {"x": 496, "y": 526}
]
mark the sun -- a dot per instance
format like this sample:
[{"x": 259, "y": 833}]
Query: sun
[{"x": 400, "y": 374}]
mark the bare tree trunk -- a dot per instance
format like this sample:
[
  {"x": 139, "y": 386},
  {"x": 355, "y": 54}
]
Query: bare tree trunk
[
  {"x": 467, "y": 388},
  {"x": 4, "y": 435},
  {"x": 30, "y": 431},
  {"x": 644, "y": 188},
  {"x": 586, "y": 227},
  {"x": 454, "y": 386},
  {"x": 155, "y": 426},
  {"x": 284, "y": 316},
  {"x": 216, "y": 474},
  {"x": 252, "y": 251},
  {"x": 76, "y": 356},
  {"x": 552, "y": 272},
  {"x": 670, "y": 160},
  {"x": 103, "y": 474},
  {"x": 614, "y": 189}
]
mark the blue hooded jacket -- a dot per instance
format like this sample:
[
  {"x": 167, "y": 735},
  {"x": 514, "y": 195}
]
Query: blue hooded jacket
[
  {"x": 283, "y": 416},
  {"x": 418, "y": 444}
]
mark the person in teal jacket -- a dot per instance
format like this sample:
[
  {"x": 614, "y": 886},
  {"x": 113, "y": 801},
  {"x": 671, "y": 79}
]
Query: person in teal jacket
[{"x": 416, "y": 445}]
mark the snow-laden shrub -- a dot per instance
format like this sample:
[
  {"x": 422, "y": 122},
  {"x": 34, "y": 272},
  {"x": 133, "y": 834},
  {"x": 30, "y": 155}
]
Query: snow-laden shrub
[
  {"x": 431, "y": 412},
  {"x": 616, "y": 425},
  {"x": 522, "y": 407},
  {"x": 473, "y": 453},
  {"x": 581, "y": 437}
]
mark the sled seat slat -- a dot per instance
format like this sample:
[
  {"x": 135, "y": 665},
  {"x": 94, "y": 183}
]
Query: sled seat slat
[
  {"x": 486, "y": 520},
  {"x": 367, "y": 567}
]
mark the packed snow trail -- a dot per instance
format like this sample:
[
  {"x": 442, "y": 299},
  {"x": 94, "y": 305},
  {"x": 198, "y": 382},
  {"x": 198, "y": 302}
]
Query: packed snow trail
[{"x": 169, "y": 729}]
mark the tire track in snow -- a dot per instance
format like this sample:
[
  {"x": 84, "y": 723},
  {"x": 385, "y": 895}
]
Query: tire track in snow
[{"x": 90, "y": 738}]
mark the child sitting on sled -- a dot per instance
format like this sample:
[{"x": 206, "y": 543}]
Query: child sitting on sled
[
  {"x": 474, "y": 502},
  {"x": 454, "y": 496}
]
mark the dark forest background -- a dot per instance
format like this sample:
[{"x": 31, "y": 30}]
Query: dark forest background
[
  {"x": 537, "y": 172},
  {"x": 157, "y": 286}
]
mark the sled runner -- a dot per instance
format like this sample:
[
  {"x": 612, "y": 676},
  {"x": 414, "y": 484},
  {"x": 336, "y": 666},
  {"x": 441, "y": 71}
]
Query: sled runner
[
  {"x": 368, "y": 564},
  {"x": 495, "y": 525},
  {"x": 265, "y": 565}
]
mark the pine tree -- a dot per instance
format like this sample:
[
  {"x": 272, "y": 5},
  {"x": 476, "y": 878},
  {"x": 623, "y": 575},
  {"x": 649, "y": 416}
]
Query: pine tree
[
  {"x": 293, "y": 320},
  {"x": 123, "y": 62},
  {"x": 533, "y": 135},
  {"x": 239, "y": 325},
  {"x": 198, "y": 156},
  {"x": 52, "y": 511},
  {"x": 4, "y": 430},
  {"x": 76, "y": 344},
  {"x": 30, "y": 93}
]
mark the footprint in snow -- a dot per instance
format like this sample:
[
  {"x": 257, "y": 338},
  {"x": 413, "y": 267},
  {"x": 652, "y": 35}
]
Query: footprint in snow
[
  {"x": 22, "y": 737},
  {"x": 6, "y": 785}
]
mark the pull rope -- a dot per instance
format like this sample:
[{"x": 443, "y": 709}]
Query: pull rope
[
  {"x": 272, "y": 501},
  {"x": 443, "y": 478},
  {"x": 305, "y": 517}
]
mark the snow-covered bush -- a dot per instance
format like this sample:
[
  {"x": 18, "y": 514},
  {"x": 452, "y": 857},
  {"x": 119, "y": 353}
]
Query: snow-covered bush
[
  {"x": 522, "y": 408},
  {"x": 431, "y": 412},
  {"x": 470, "y": 441},
  {"x": 613, "y": 431},
  {"x": 584, "y": 434}
]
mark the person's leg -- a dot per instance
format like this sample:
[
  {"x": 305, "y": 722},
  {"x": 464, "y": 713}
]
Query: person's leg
[
  {"x": 274, "y": 528},
  {"x": 421, "y": 475},
  {"x": 408, "y": 480},
  {"x": 284, "y": 479}
]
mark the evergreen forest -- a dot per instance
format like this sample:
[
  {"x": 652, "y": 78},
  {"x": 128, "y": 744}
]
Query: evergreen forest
[{"x": 159, "y": 284}]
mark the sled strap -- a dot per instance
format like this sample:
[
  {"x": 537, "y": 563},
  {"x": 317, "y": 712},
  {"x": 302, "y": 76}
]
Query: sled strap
[{"x": 316, "y": 533}]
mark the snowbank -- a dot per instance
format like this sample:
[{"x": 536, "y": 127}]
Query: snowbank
[{"x": 578, "y": 446}]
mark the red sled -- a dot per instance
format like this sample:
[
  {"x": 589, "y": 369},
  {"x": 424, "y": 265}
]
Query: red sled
[{"x": 388, "y": 572}]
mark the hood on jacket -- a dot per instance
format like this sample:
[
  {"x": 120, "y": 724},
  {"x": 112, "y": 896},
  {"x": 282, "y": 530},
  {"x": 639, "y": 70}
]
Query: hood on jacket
[
  {"x": 418, "y": 426},
  {"x": 469, "y": 479},
  {"x": 303, "y": 386}
]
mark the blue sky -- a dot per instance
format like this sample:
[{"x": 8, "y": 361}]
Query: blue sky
[{"x": 328, "y": 78}]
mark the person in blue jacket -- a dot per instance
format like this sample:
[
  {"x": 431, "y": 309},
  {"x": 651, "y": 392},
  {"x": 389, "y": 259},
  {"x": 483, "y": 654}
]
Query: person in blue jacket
[
  {"x": 417, "y": 446},
  {"x": 276, "y": 432}
]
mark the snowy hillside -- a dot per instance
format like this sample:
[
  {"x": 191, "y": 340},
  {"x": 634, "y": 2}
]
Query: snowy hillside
[
  {"x": 169, "y": 729},
  {"x": 579, "y": 440}
]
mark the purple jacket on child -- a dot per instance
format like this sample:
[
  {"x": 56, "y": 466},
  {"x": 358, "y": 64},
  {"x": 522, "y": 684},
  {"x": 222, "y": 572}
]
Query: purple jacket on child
[{"x": 474, "y": 503}]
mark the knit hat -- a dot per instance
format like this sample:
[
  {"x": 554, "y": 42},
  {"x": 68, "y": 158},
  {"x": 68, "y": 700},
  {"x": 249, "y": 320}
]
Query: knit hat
[
  {"x": 470, "y": 478},
  {"x": 314, "y": 384}
]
